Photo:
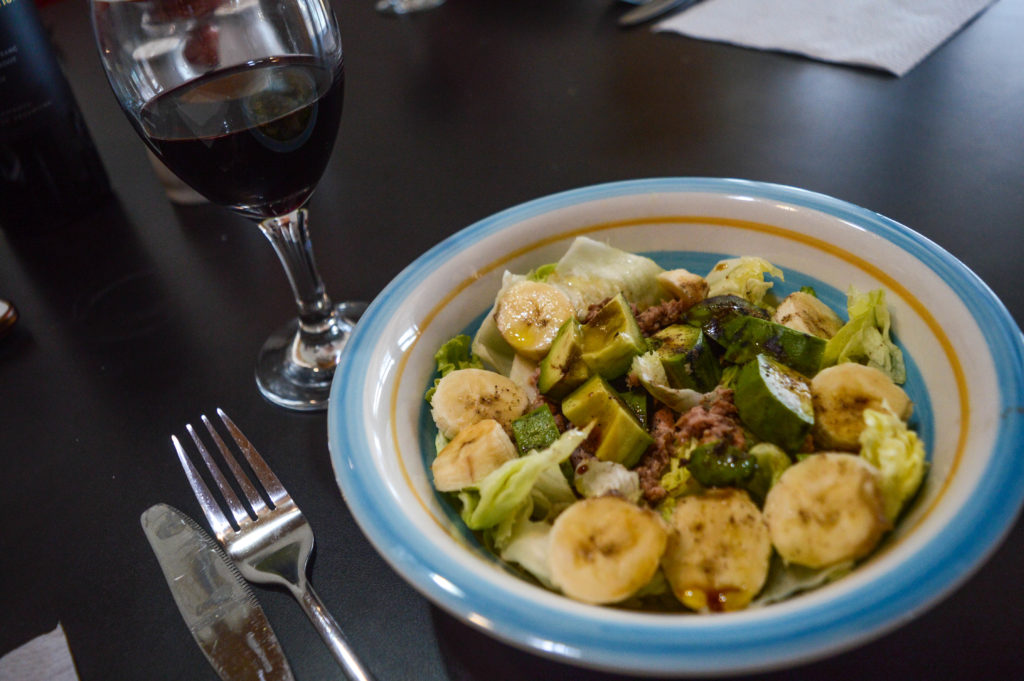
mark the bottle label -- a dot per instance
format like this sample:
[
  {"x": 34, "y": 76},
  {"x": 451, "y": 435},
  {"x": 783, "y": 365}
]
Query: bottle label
[
  {"x": 8, "y": 58},
  {"x": 30, "y": 78},
  {"x": 50, "y": 172},
  {"x": 14, "y": 112}
]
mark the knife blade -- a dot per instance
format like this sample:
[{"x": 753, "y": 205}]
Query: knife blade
[
  {"x": 653, "y": 10},
  {"x": 219, "y": 608}
]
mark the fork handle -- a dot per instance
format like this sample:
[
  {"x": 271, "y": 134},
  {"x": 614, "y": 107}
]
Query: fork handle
[{"x": 331, "y": 634}]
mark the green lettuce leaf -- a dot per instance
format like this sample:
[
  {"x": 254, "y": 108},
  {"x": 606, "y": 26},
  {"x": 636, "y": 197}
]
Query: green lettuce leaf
[
  {"x": 608, "y": 477},
  {"x": 897, "y": 453},
  {"x": 527, "y": 545},
  {"x": 788, "y": 580},
  {"x": 455, "y": 354},
  {"x": 488, "y": 343},
  {"x": 651, "y": 373},
  {"x": 492, "y": 348},
  {"x": 541, "y": 273},
  {"x": 507, "y": 489},
  {"x": 743, "y": 277},
  {"x": 591, "y": 271},
  {"x": 866, "y": 337},
  {"x": 551, "y": 493},
  {"x": 440, "y": 441},
  {"x": 677, "y": 479}
]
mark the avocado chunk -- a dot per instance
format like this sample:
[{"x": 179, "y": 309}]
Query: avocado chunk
[
  {"x": 612, "y": 338},
  {"x": 746, "y": 337},
  {"x": 718, "y": 464},
  {"x": 712, "y": 314},
  {"x": 636, "y": 400},
  {"x": 562, "y": 370},
  {"x": 774, "y": 401},
  {"x": 772, "y": 462},
  {"x": 622, "y": 438},
  {"x": 686, "y": 354},
  {"x": 535, "y": 430}
]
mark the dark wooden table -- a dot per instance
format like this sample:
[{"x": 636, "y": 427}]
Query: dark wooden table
[{"x": 137, "y": 319}]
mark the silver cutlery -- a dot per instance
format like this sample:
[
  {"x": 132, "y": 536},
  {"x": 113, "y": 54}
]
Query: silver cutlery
[
  {"x": 270, "y": 543},
  {"x": 652, "y": 10},
  {"x": 218, "y": 606}
]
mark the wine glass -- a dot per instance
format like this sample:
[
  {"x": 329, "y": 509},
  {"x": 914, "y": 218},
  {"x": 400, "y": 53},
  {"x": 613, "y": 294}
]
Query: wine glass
[
  {"x": 242, "y": 100},
  {"x": 406, "y": 6}
]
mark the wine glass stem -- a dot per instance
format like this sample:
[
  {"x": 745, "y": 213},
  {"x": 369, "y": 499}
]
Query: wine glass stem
[
  {"x": 296, "y": 365},
  {"x": 289, "y": 235}
]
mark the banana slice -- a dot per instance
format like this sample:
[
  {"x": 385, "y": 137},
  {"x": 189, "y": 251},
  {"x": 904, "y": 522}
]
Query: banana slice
[
  {"x": 826, "y": 509},
  {"x": 804, "y": 312},
  {"x": 529, "y": 314},
  {"x": 467, "y": 396},
  {"x": 473, "y": 453},
  {"x": 684, "y": 285},
  {"x": 840, "y": 395},
  {"x": 718, "y": 551},
  {"x": 604, "y": 549}
]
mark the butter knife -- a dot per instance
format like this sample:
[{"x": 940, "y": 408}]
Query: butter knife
[
  {"x": 217, "y": 604},
  {"x": 652, "y": 10}
]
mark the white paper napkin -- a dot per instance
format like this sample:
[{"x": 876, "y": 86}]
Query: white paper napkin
[
  {"x": 891, "y": 35},
  {"x": 44, "y": 658}
]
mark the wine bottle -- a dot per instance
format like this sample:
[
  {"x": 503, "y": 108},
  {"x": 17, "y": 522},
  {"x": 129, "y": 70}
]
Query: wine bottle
[{"x": 50, "y": 173}]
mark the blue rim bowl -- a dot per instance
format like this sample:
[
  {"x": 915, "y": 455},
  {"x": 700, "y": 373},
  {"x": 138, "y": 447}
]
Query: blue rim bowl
[{"x": 967, "y": 380}]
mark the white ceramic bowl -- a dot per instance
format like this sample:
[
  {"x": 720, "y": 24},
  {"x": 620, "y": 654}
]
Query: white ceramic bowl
[{"x": 966, "y": 376}]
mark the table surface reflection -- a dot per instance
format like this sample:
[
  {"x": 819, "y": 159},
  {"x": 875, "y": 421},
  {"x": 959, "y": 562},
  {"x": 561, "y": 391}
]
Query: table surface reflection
[{"x": 138, "y": 318}]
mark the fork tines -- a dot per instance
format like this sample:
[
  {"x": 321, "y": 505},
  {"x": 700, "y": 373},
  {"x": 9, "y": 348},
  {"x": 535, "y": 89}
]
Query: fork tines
[{"x": 241, "y": 515}]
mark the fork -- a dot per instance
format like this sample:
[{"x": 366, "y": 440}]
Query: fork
[{"x": 269, "y": 542}]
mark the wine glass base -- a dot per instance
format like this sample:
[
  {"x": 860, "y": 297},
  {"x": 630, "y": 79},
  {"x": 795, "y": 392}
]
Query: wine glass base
[{"x": 286, "y": 378}]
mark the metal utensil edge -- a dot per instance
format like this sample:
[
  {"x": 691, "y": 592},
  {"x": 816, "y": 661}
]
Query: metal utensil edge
[
  {"x": 653, "y": 10},
  {"x": 216, "y": 603}
]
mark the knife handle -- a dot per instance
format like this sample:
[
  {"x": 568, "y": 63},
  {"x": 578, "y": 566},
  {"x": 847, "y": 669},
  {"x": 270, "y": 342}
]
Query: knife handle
[
  {"x": 652, "y": 10},
  {"x": 331, "y": 634}
]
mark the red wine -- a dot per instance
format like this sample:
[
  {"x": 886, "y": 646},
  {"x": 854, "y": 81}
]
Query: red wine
[
  {"x": 50, "y": 172},
  {"x": 254, "y": 137}
]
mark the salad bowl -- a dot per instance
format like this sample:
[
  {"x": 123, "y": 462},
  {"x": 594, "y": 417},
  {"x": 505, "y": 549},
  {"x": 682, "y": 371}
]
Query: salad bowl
[{"x": 965, "y": 374}]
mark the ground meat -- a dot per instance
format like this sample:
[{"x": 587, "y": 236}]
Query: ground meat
[
  {"x": 653, "y": 463},
  {"x": 657, "y": 317},
  {"x": 593, "y": 309},
  {"x": 715, "y": 418},
  {"x": 586, "y": 450},
  {"x": 556, "y": 410},
  {"x": 578, "y": 460}
]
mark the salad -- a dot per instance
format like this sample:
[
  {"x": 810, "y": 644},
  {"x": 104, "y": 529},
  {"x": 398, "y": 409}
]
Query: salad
[{"x": 662, "y": 439}]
